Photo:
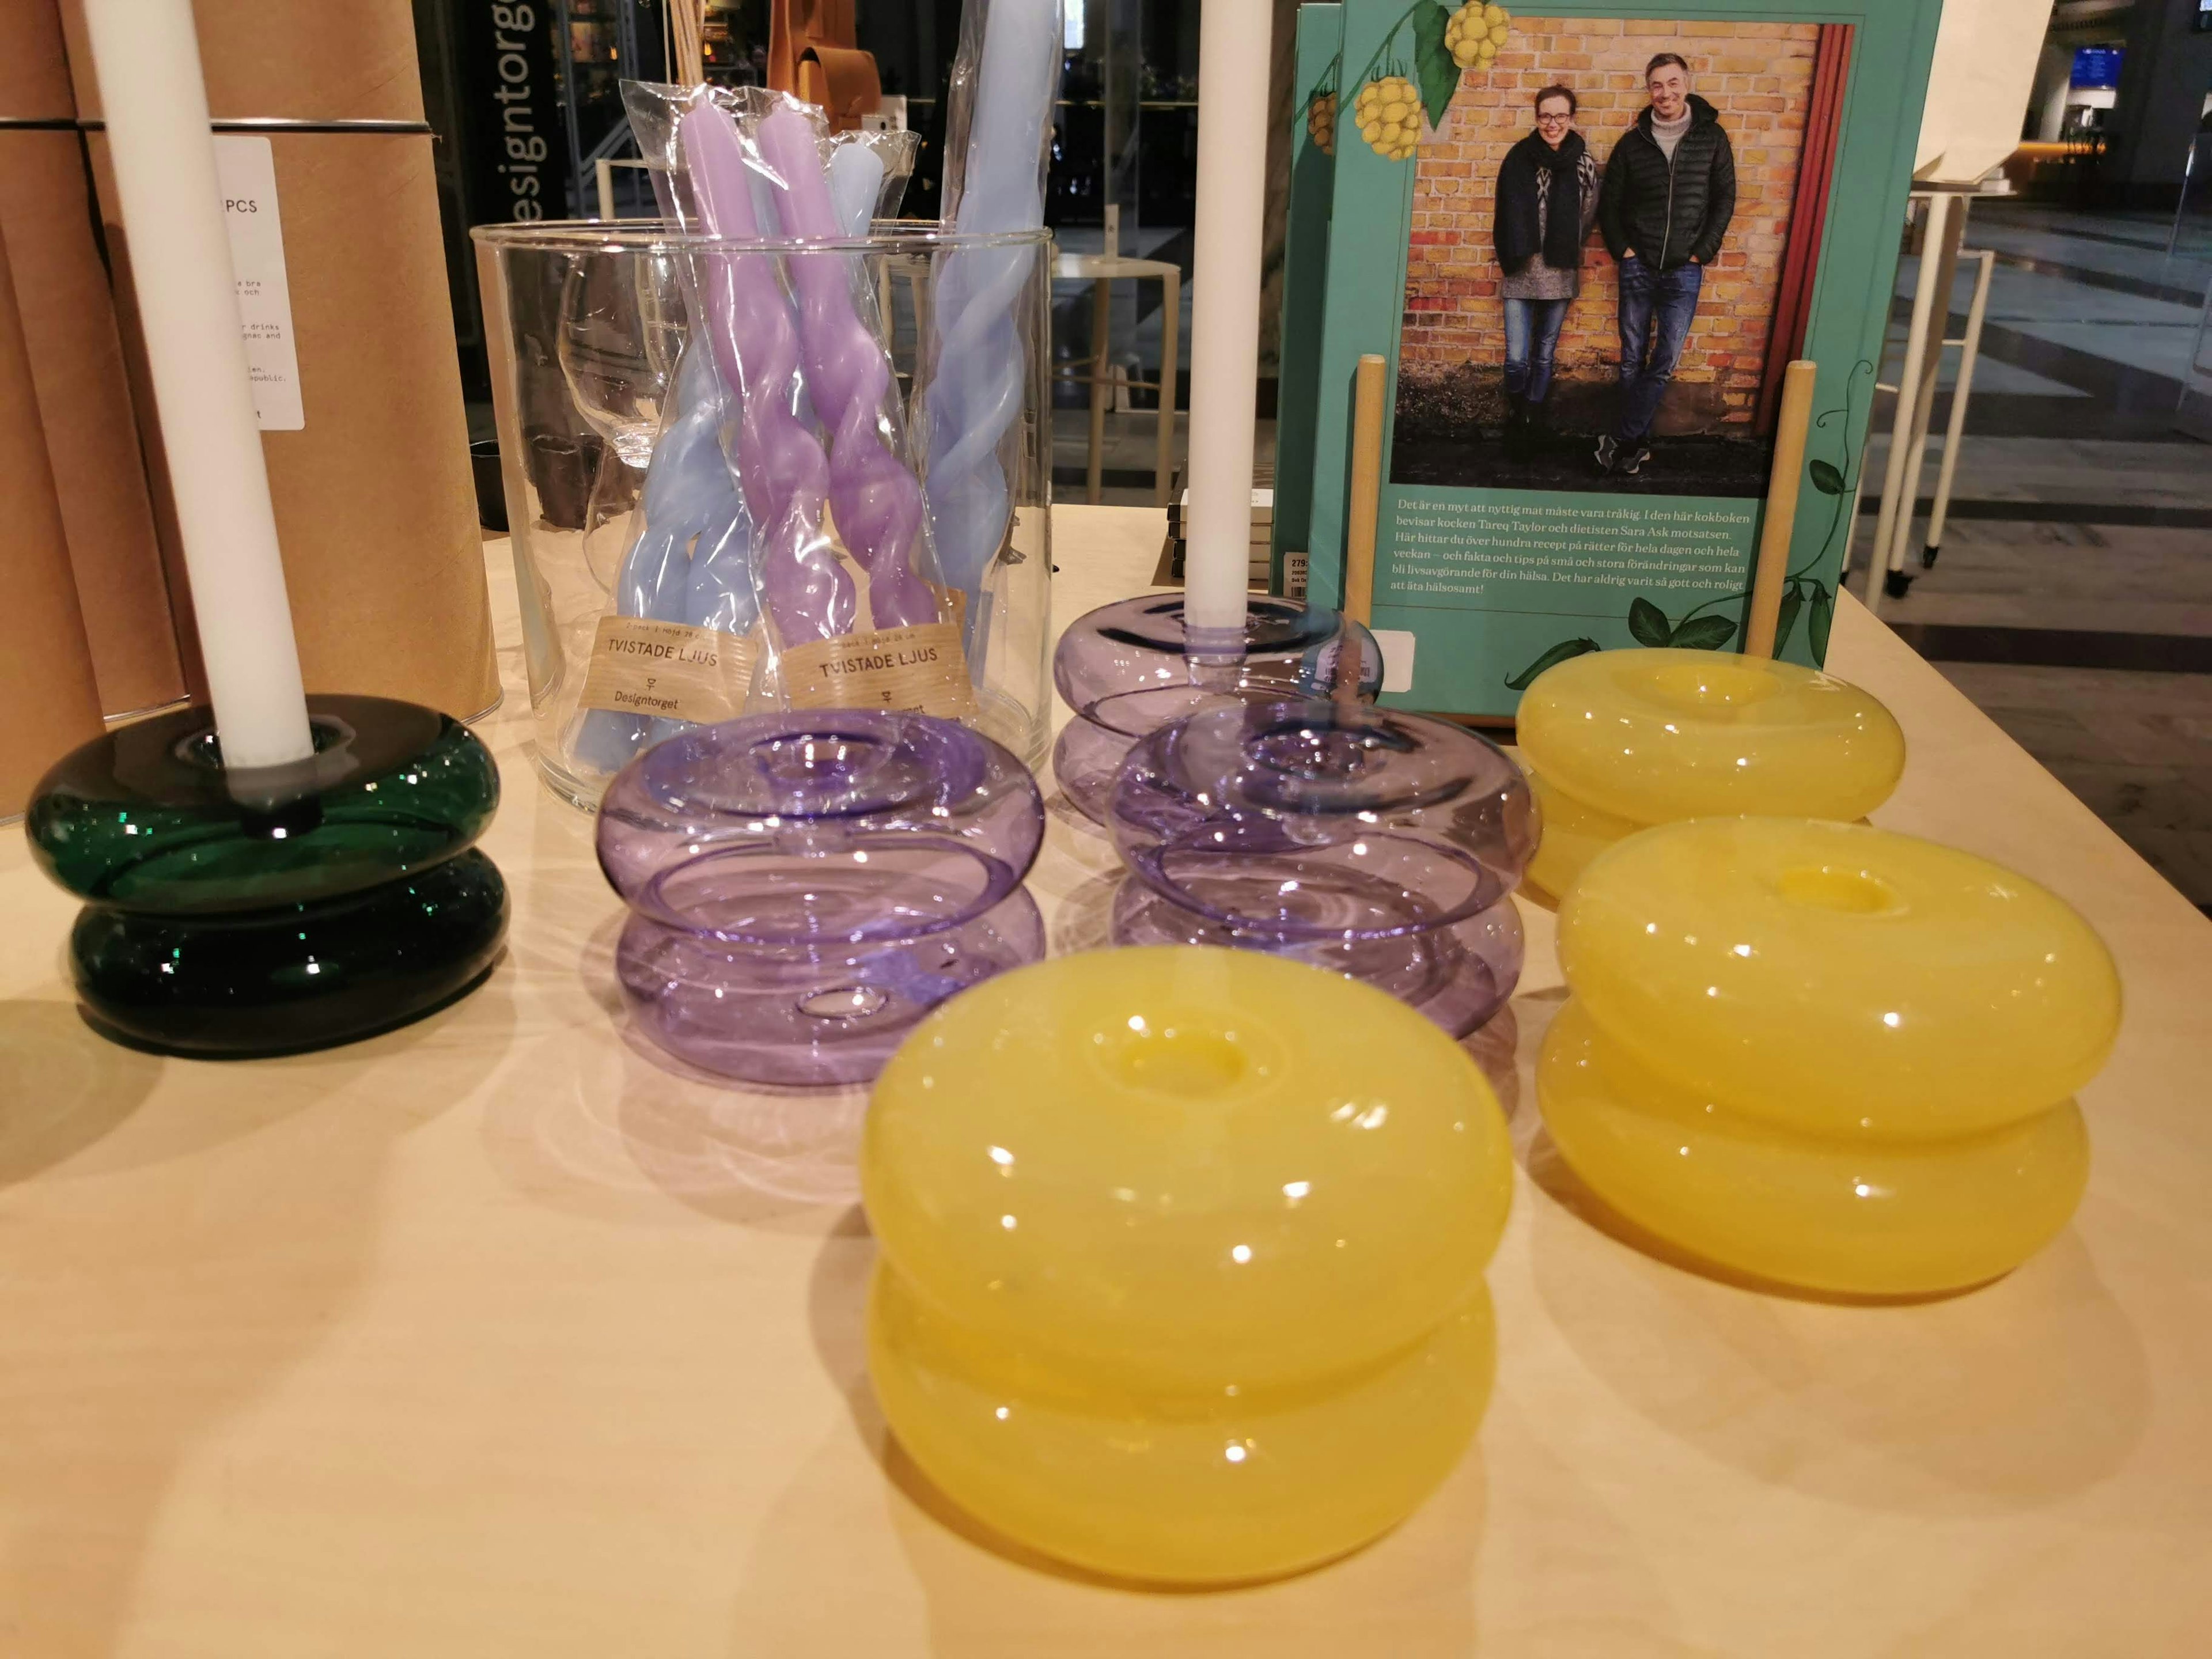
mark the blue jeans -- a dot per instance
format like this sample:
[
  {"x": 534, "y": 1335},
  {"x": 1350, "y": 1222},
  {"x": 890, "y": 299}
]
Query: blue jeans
[
  {"x": 1657, "y": 307},
  {"x": 1532, "y": 332}
]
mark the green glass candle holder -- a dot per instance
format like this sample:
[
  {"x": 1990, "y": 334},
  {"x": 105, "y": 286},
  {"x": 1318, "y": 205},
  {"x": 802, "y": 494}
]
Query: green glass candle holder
[{"x": 237, "y": 912}]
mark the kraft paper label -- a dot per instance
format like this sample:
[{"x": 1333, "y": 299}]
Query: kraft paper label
[
  {"x": 245, "y": 169},
  {"x": 910, "y": 669},
  {"x": 671, "y": 669}
]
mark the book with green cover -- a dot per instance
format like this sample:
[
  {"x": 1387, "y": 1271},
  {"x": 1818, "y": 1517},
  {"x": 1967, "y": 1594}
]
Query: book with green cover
[{"x": 1587, "y": 241}]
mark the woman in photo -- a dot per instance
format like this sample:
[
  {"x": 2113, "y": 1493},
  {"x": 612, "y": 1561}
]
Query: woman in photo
[{"x": 1548, "y": 194}]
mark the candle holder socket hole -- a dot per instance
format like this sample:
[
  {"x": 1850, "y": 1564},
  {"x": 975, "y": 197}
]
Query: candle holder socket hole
[
  {"x": 883, "y": 887},
  {"x": 1848, "y": 892},
  {"x": 1187, "y": 1062},
  {"x": 1707, "y": 688}
]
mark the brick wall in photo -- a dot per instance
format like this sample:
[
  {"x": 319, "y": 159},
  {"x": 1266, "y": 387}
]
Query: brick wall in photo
[{"x": 1757, "y": 75}]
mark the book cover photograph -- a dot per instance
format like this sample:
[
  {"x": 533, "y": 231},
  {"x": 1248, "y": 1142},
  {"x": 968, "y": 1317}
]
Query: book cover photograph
[{"x": 1589, "y": 242}]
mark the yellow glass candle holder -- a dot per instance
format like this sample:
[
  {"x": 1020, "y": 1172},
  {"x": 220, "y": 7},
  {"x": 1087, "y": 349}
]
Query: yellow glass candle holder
[
  {"x": 1182, "y": 1252},
  {"x": 1615, "y": 741},
  {"x": 1825, "y": 1055}
]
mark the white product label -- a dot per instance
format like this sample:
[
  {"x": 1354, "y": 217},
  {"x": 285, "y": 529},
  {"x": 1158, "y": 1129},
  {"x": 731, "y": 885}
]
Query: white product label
[
  {"x": 1294, "y": 574},
  {"x": 247, "y": 169},
  {"x": 1397, "y": 647}
]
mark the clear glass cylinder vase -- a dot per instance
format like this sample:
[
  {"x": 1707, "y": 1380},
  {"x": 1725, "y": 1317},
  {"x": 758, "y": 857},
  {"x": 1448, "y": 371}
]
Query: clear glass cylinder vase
[{"x": 590, "y": 332}]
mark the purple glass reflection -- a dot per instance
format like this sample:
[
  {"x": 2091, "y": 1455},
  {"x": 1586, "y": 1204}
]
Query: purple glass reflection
[
  {"x": 1381, "y": 844},
  {"x": 1129, "y": 668},
  {"x": 807, "y": 884}
]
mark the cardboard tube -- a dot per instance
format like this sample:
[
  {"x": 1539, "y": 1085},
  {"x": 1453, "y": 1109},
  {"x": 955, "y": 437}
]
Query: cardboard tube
[
  {"x": 1781, "y": 507},
  {"x": 374, "y": 501},
  {"x": 46, "y": 217},
  {"x": 1366, "y": 496},
  {"x": 48, "y": 702}
]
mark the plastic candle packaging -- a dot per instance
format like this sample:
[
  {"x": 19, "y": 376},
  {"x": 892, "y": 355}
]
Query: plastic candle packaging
[
  {"x": 1182, "y": 1258},
  {"x": 780, "y": 461},
  {"x": 1826, "y": 1055},
  {"x": 874, "y": 494},
  {"x": 689, "y": 554},
  {"x": 1617, "y": 740},
  {"x": 1382, "y": 845},
  {"x": 691, "y": 559},
  {"x": 771, "y": 324},
  {"x": 799, "y": 298},
  {"x": 1003, "y": 84}
]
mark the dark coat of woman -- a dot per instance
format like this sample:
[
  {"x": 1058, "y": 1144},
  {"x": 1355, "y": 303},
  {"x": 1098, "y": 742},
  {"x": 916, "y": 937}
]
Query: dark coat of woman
[{"x": 1514, "y": 226}]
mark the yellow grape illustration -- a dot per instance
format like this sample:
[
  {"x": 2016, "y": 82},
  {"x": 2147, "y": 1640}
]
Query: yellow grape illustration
[
  {"x": 1475, "y": 33},
  {"x": 1389, "y": 111},
  {"x": 1321, "y": 121}
]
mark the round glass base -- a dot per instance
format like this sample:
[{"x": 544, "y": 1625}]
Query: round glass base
[
  {"x": 797, "y": 1015},
  {"x": 238, "y": 911},
  {"x": 1087, "y": 756},
  {"x": 238, "y": 984},
  {"x": 1458, "y": 976},
  {"x": 1129, "y": 668},
  {"x": 1191, "y": 1489}
]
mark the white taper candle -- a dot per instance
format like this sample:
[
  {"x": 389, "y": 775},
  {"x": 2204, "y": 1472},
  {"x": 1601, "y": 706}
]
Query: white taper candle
[
  {"x": 148, "y": 60},
  {"x": 1224, "y": 359}
]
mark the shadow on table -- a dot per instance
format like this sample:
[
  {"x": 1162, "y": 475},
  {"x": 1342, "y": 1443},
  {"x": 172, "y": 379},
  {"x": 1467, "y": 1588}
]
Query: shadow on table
[
  {"x": 1494, "y": 1047},
  {"x": 634, "y": 1126},
  {"x": 145, "y": 1307},
  {"x": 62, "y": 1088},
  {"x": 2029, "y": 1389},
  {"x": 1407, "y": 1594},
  {"x": 1084, "y": 919}
]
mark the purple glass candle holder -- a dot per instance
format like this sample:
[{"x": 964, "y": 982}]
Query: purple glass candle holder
[
  {"x": 1385, "y": 846},
  {"x": 804, "y": 886},
  {"x": 1129, "y": 668}
]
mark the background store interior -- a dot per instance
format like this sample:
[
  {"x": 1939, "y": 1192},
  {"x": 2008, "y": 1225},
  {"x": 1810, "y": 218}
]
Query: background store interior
[{"x": 2072, "y": 599}]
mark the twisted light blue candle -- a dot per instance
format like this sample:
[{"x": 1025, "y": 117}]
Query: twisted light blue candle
[
  {"x": 876, "y": 498},
  {"x": 977, "y": 363},
  {"x": 691, "y": 562},
  {"x": 856, "y": 183}
]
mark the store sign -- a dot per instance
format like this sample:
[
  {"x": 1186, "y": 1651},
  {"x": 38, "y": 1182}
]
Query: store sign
[
  {"x": 514, "y": 168},
  {"x": 2096, "y": 66}
]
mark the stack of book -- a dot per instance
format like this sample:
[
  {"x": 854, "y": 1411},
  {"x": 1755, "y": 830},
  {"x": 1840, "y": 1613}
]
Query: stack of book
[{"x": 1263, "y": 530}]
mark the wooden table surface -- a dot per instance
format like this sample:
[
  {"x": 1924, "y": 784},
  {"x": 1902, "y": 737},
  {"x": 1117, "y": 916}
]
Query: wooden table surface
[{"x": 493, "y": 1337}]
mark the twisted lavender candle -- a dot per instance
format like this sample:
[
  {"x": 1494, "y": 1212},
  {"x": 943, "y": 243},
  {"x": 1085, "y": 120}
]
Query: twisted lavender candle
[
  {"x": 781, "y": 466},
  {"x": 875, "y": 496}
]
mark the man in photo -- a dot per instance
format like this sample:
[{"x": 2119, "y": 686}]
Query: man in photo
[
  {"x": 1669, "y": 194},
  {"x": 1546, "y": 200}
]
